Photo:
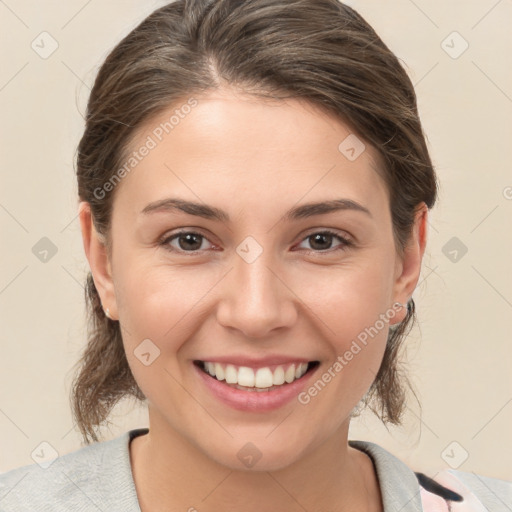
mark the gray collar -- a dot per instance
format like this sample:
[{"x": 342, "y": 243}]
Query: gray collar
[{"x": 398, "y": 484}]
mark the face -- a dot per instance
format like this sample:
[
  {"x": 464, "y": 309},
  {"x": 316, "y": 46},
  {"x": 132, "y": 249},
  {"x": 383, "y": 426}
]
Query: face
[{"x": 252, "y": 280}]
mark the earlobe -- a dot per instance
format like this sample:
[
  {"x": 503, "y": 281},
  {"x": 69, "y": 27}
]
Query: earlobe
[
  {"x": 410, "y": 265},
  {"x": 97, "y": 256}
]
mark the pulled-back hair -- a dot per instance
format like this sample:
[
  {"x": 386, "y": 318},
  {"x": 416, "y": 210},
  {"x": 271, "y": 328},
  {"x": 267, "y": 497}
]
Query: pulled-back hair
[{"x": 320, "y": 51}]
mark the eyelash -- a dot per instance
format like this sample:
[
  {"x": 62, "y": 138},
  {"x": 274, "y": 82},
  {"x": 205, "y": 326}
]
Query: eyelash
[{"x": 345, "y": 243}]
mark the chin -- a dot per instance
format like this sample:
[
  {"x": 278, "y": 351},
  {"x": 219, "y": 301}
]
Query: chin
[
  {"x": 262, "y": 460},
  {"x": 257, "y": 455}
]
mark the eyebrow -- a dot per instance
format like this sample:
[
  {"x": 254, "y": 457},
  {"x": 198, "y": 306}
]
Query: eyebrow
[{"x": 212, "y": 213}]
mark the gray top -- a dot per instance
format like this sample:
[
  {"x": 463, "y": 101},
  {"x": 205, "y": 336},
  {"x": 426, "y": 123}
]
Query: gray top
[{"x": 98, "y": 477}]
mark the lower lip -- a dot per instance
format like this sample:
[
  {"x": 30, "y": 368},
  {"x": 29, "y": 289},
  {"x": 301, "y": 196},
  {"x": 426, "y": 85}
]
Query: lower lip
[{"x": 253, "y": 400}]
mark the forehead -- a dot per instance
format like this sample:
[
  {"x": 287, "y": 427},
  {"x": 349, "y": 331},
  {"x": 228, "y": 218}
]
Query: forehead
[{"x": 251, "y": 150}]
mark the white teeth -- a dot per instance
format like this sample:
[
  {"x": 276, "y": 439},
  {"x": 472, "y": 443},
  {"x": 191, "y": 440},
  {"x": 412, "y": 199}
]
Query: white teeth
[
  {"x": 301, "y": 370},
  {"x": 231, "y": 374},
  {"x": 211, "y": 369},
  {"x": 278, "y": 377},
  {"x": 219, "y": 371},
  {"x": 289, "y": 374},
  {"x": 246, "y": 377},
  {"x": 262, "y": 379}
]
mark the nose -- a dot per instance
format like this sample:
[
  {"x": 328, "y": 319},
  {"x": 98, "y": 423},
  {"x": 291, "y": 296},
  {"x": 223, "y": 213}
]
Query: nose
[{"x": 256, "y": 300}]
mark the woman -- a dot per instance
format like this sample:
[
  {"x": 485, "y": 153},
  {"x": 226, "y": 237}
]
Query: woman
[{"x": 254, "y": 190}]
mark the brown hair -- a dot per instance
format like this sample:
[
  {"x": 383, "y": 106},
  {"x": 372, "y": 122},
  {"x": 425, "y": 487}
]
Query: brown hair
[{"x": 320, "y": 51}]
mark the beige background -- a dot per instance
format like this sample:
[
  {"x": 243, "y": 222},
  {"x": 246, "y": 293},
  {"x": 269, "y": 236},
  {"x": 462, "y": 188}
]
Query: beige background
[{"x": 460, "y": 356}]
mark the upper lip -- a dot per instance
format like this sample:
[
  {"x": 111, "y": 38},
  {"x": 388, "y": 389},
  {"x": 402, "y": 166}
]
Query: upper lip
[{"x": 256, "y": 362}]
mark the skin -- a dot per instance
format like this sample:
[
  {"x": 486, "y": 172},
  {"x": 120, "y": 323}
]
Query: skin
[{"x": 254, "y": 159}]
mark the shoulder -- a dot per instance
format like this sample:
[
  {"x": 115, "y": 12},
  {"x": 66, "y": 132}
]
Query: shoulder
[
  {"x": 406, "y": 490},
  {"x": 97, "y": 476},
  {"x": 479, "y": 492}
]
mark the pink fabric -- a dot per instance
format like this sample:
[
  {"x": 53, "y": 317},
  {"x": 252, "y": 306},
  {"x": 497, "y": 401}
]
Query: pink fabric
[{"x": 433, "y": 503}]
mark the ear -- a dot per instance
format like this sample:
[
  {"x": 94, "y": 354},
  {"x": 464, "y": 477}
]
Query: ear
[
  {"x": 97, "y": 256},
  {"x": 408, "y": 266}
]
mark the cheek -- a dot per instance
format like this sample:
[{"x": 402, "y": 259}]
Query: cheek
[
  {"x": 348, "y": 299},
  {"x": 160, "y": 309},
  {"x": 159, "y": 302},
  {"x": 351, "y": 309}
]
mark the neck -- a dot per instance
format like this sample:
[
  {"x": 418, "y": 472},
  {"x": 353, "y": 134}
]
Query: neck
[{"x": 172, "y": 474}]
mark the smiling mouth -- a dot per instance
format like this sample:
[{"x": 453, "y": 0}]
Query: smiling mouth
[{"x": 256, "y": 379}]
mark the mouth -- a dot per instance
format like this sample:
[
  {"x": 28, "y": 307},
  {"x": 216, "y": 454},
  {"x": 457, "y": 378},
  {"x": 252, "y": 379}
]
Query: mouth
[{"x": 260, "y": 379}]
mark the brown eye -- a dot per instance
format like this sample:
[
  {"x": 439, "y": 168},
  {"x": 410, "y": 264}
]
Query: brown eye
[
  {"x": 186, "y": 241},
  {"x": 323, "y": 240}
]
